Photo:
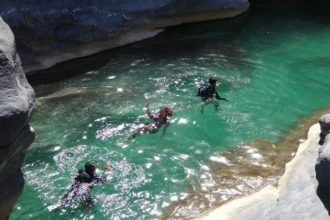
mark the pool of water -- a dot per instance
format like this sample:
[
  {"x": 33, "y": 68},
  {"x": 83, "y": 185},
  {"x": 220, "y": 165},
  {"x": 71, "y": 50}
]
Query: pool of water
[{"x": 272, "y": 64}]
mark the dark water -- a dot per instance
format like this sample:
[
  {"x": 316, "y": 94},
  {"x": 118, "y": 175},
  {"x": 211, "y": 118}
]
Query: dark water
[{"x": 272, "y": 64}]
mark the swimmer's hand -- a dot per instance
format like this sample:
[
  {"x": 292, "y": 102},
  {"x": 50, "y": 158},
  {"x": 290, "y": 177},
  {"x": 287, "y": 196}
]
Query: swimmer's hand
[
  {"x": 164, "y": 129},
  {"x": 221, "y": 98},
  {"x": 108, "y": 177},
  {"x": 147, "y": 109},
  {"x": 107, "y": 166}
]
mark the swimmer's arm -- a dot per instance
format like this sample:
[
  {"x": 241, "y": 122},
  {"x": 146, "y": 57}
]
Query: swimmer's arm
[
  {"x": 108, "y": 176},
  {"x": 165, "y": 128},
  {"x": 219, "y": 97},
  {"x": 104, "y": 178},
  {"x": 147, "y": 109}
]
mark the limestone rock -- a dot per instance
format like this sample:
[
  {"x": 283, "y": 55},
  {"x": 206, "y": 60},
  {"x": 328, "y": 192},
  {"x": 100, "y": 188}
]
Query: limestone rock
[
  {"x": 16, "y": 106},
  {"x": 294, "y": 198},
  {"x": 324, "y": 122},
  {"x": 322, "y": 166},
  {"x": 48, "y": 32}
]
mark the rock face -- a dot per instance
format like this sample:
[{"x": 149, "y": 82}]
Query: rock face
[
  {"x": 322, "y": 167},
  {"x": 325, "y": 127},
  {"x": 16, "y": 105},
  {"x": 52, "y": 31},
  {"x": 295, "y": 196}
]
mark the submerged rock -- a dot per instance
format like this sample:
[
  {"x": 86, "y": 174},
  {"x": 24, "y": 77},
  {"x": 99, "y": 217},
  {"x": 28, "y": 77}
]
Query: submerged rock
[
  {"x": 52, "y": 31},
  {"x": 16, "y": 105}
]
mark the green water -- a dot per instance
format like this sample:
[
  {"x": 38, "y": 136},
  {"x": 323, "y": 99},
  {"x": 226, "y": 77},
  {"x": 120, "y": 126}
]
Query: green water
[{"x": 272, "y": 64}]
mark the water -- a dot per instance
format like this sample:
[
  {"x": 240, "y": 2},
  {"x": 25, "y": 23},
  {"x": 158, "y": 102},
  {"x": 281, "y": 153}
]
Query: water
[{"x": 272, "y": 64}]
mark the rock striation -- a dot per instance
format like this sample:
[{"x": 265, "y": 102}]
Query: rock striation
[
  {"x": 322, "y": 166},
  {"x": 48, "y": 32},
  {"x": 16, "y": 106}
]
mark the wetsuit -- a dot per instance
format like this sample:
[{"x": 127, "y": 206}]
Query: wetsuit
[
  {"x": 80, "y": 189},
  {"x": 209, "y": 92}
]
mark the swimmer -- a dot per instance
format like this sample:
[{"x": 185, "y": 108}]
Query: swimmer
[
  {"x": 159, "y": 120},
  {"x": 84, "y": 182},
  {"x": 207, "y": 92}
]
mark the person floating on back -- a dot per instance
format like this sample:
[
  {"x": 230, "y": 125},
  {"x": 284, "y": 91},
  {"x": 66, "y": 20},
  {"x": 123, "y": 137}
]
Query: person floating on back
[
  {"x": 83, "y": 183},
  {"x": 208, "y": 92},
  {"x": 159, "y": 120}
]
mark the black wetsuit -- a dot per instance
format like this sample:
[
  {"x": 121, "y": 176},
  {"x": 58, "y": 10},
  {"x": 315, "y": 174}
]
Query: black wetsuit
[
  {"x": 209, "y": 92},
  {"x": 80, "y": 189}
]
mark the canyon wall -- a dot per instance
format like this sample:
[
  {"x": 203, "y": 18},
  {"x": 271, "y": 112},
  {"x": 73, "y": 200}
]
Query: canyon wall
[
  {"x": 48, "y": 32},
  {"x": 16, "y": 106}
]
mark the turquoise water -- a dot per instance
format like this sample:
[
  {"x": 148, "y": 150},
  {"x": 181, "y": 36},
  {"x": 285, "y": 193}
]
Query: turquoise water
[{"x": 273, "y": 70}]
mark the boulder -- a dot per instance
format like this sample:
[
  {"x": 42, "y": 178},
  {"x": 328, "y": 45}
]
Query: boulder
[
  {"x": 16, "y": 106},
  {"x": 324, "y": 122},
  {"x": 322, "y": 166}
]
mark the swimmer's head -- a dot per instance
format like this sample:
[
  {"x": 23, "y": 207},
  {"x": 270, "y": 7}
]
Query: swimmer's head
[
  {"x": 90, "y": 167},
  {"x": 166, "y": 110},
  {"x": 213, "y": 80}
]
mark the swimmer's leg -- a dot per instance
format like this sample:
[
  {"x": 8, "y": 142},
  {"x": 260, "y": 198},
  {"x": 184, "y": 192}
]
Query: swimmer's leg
[
  {"x": 202, "y": 107},
  {"x": 205, "y": 101},
  {"x": 139, "y": 131},
  {"x": 135, "y": 133},
  {"x": 88, "y": 203},
  {"x": 216, "y": 105}
]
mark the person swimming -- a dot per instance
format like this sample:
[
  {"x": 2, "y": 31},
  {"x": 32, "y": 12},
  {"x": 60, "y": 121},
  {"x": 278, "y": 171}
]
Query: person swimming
[
  {"x": 83, "y": 183},
  {"x": 160, "y": 119},
  {"x": 207, "y": 92}
]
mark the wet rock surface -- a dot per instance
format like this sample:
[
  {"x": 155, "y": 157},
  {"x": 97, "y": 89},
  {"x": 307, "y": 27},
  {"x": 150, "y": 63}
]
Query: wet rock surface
[
  {"x": 16, "y": 106},
  {"x": 48, "y": 32}
]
